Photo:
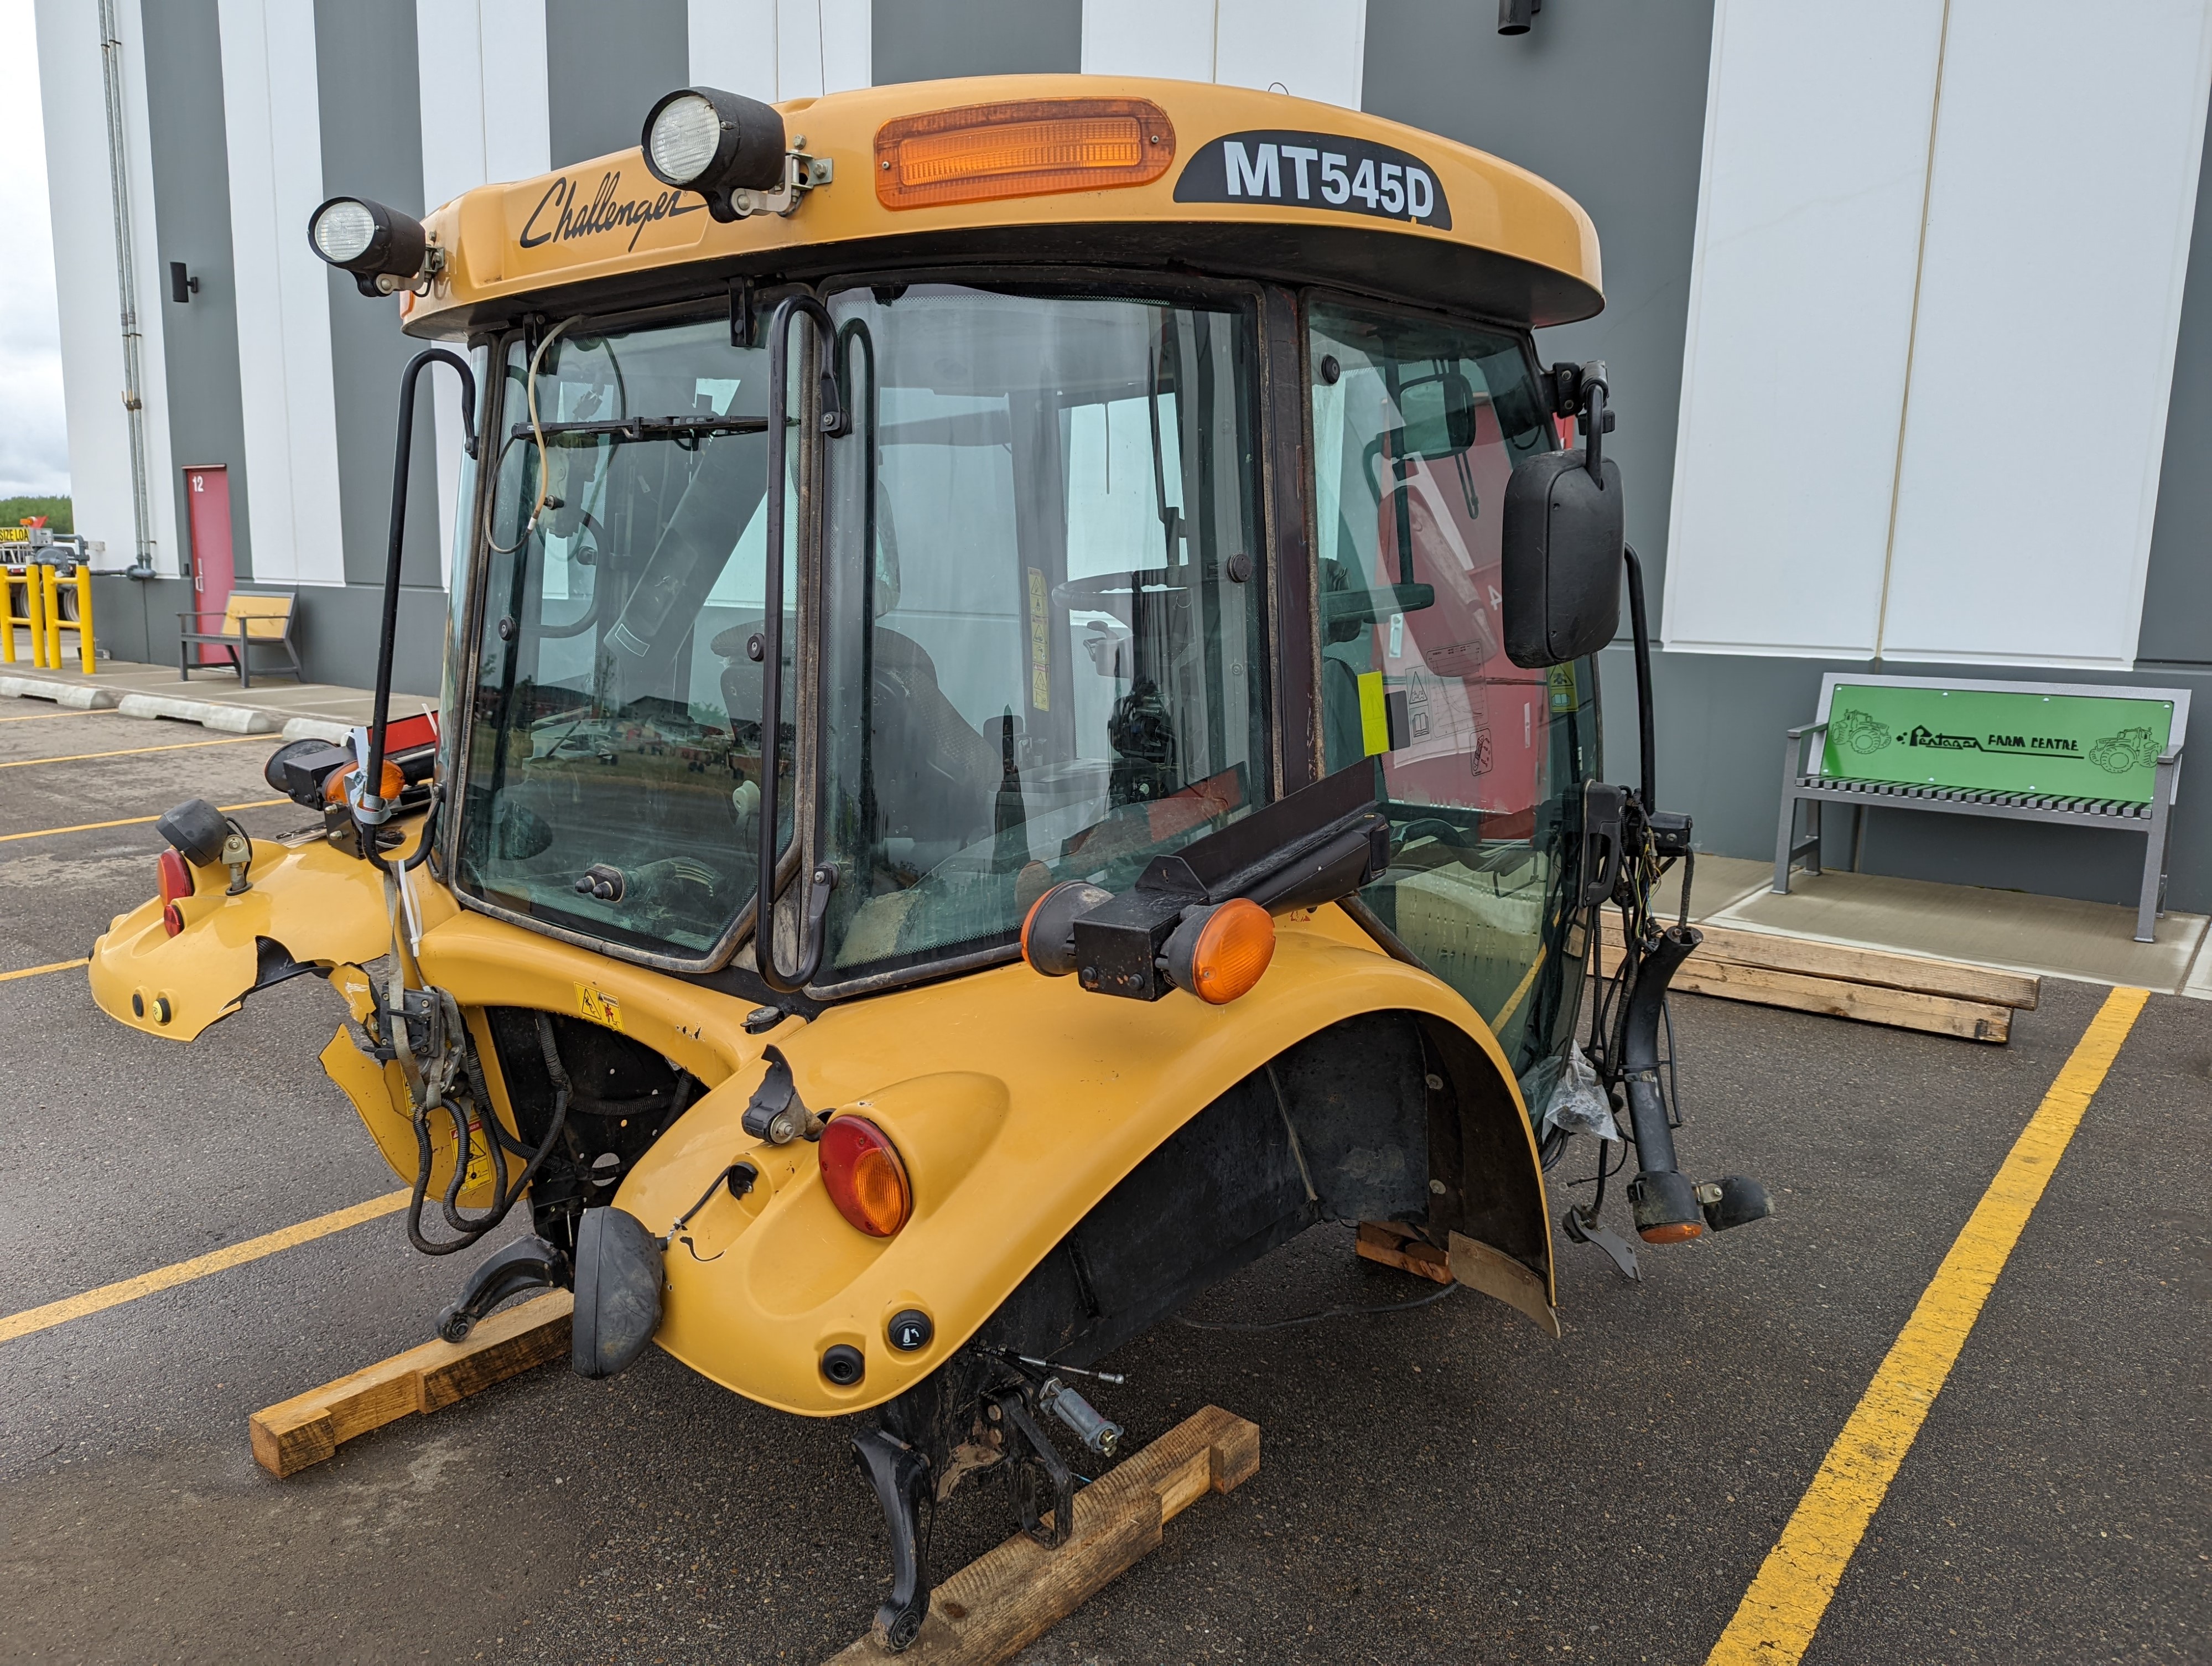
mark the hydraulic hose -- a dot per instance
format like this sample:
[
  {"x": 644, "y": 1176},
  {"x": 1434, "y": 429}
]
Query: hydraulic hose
[
  {"x": 503, "y": 1200},
  {"x": 1639, "y": 1048}
]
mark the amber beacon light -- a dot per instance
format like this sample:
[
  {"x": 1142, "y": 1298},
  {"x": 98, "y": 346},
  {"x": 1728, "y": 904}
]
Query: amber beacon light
[{"x": 1026, "y": 147}]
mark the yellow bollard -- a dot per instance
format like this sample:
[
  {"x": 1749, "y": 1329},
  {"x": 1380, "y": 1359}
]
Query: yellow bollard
[
  {"x": 85, "y": 653},
  {"x": 35, "y": 593},
  {"x": 7, "y": 616},
  {"x": 49, "y": 580}
]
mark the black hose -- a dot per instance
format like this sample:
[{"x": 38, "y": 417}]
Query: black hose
[{"x": 503, "y": 1200}]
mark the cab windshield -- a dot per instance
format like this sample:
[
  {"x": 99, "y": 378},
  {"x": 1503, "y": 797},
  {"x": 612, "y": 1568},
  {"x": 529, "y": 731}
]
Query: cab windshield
[
  {"x": 610, "y": 792},
  {"x": 1043, "y": 655}
]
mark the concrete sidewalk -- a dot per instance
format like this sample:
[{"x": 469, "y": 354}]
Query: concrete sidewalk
[
  {"x": 2050, "y": 936},
  {"x": 211, "y": 698}
]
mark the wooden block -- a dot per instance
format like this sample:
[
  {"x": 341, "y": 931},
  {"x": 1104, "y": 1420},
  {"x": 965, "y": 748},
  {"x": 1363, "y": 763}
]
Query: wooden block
[
  {"x": 1003, "y": 1601},
  {"x": 1393, "y": 1246},
  {"x": 1984, "y": 985},
  {"x": 1901, "y": 1009},
  {"x": 307, "y": 1428}
]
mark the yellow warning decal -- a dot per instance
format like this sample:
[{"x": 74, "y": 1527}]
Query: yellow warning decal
[
  {"x": 1374, "y": 714},
  {"x": 596, "y": 1004}
]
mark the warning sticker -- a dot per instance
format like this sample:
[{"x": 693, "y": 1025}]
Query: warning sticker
[{"x": 597, "y": 1004}]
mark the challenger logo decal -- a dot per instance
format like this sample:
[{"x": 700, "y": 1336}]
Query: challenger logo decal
[{"x": 602, "y": 213}]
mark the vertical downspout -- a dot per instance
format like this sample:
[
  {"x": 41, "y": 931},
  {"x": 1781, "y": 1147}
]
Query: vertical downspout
[{"x": 126, "y": 285}]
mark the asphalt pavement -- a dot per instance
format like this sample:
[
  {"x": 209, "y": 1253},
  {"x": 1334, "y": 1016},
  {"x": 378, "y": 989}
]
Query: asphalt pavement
[{"x": 1442, "y": 1484}]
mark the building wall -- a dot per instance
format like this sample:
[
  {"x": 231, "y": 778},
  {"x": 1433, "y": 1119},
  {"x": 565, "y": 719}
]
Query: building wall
[{"x": 1839, "y": 247}]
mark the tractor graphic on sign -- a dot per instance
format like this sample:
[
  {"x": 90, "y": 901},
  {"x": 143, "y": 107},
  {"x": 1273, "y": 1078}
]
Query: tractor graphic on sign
[
  {"x": 2130, "y": 749},
  {"x": 1861, "y": 732}
]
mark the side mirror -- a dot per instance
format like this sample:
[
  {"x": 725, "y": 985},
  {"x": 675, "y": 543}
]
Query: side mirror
[
  {"x": 1561, "y": 560},
  {"x": 1439, "y": 413}
]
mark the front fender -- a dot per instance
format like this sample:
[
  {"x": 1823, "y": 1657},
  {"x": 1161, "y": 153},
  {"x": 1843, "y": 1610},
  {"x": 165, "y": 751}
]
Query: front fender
[
  {"x": 1018, "y": 1103},
  {"x": 312, "y": 902}
]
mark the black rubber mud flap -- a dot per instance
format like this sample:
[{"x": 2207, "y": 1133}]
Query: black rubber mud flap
[{"x": 618, "y": 1280}]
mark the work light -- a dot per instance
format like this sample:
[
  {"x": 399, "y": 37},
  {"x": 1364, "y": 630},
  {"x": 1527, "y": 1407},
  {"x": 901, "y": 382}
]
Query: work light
[
  {"x": 703, "y": 139},
  {"x": 383, "y": 248}
]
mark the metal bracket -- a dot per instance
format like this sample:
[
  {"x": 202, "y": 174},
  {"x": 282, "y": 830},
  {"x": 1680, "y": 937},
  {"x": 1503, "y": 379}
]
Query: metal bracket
[
  {"x": 528, "y": 1263},
  {"x": 801, "y": 173},
  {"x": 900, "y": 1477},
  {"x": 1038, "y": 1476},
  {"x": 1585, "y": 1228}
]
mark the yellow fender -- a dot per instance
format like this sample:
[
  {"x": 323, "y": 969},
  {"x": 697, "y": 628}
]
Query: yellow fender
[{"x": 1017, "y": 1102}]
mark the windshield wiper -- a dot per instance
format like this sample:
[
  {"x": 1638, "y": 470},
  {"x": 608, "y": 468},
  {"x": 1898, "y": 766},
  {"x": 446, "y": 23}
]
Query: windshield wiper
[{"x": 653, "y": 428}]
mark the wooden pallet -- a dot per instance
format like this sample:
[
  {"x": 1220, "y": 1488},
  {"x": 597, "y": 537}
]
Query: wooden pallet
[
  {"x": 310, "y": 1427},
  {"x": 1875, "y": 985},
  {"x": 1003, "y": 1601},
  {"x": 1387, "y": 1242}
]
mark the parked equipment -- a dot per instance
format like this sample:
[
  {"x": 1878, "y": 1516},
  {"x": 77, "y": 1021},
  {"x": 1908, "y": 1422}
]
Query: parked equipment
[{"x": 1021, "y": 727}]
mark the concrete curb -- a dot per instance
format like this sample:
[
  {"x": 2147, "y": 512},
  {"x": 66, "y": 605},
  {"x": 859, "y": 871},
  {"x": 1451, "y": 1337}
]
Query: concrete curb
[
  {"x": 317, "y": 728},
  {"x": 78, "y": 696},
  {"x": 207, "y": 713}
]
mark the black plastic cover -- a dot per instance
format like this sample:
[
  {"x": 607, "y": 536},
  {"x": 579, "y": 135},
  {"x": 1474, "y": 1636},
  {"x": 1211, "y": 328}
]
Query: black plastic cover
[
  {"x": 619, "y": 1279},
  {"x": 1561, "y": 563},
  {"x": 197, "y": 829}
]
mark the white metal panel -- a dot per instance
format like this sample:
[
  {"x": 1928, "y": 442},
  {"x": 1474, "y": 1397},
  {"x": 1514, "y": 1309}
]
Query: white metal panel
[
  {"x": 73, "y": 98},
  {"x": 734, "y": 46},
  {"x": 477, "y": 128},
  {"x": 777, "y": 50},
  {"x": 273, "y": 135},
  {"x": 1817, "y": 124},
  {"x": 1315, "y": 49},
  {"x": 2058, "y": 228}
]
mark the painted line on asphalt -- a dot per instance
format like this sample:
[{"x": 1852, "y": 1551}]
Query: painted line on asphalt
[
  {"x": 32, "y": 971},
  {"x": 184, "y": 1271},
  {"x": 48, "y": 717},
  {"x": 132, "y": 821},
  {"x": 1775, "y": 1623},
  {"x": 133, "y": 751}
]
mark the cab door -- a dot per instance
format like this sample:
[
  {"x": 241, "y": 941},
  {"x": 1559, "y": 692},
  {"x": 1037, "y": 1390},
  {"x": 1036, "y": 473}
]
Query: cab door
[{"x": 1415, "y": 427}]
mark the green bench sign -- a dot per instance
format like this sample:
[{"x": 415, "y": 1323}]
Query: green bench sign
[{"x": 1978, "y": 740}]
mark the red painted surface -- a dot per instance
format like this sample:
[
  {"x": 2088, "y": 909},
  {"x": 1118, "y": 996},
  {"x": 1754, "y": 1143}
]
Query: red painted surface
[{"x": 207, "y": 492}]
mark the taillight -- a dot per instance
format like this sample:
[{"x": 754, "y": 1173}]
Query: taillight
[
  {"x": 1219, "y": 954},
  {"x": 867, "y": 1180},
  {"x": 176, "y": 877},
  {"x": 172, "y": 919}
]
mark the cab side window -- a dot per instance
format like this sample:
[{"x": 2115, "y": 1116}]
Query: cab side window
[{"x": 1417, "y": 426}]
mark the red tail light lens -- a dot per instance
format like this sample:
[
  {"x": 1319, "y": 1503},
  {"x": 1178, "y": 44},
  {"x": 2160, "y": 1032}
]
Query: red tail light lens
[
  {"x": 172, "y": 919},
  {"x": 176, "y": 877},
  {"x": 867, "y": 1180}
]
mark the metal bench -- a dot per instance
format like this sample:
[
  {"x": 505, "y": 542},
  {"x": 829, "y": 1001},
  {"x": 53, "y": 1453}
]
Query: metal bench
[
  {"x": 2083, "y": 755},
  {"x": 250, "y": 620}
]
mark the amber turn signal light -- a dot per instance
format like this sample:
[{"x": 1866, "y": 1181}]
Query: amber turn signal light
[
  {"x": 1021, "y": 147},
  {"x": 1219, "y": 953},
  {"x": 865, "y": 1179},
  {"x": 334, "y": 787},
  {"x": 1674, "y": 1232}
]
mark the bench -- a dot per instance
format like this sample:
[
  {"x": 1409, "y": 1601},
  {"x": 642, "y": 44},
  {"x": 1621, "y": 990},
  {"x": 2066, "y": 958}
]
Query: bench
[
  {"x": 249, "y": 620},
  {"x": 2077, "y": 754}
]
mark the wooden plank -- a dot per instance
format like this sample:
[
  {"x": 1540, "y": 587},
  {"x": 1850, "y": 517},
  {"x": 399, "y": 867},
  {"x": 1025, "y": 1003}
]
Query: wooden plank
[
  {"x": 1869, "y": 1003},
  {"x": 1004, "y": 1599},
  {"x": 307, "y": 1428},
  {"x": 1393, "y": 1245},
  {"x": 1886, "y": 968}
]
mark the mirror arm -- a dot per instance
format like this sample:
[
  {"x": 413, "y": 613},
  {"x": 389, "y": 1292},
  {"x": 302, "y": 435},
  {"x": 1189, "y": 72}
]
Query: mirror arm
[
  {"x": 1644, "y": 724},
  {"x": 823, "y": 879},
  {"x": 370, "y": 808},
  {"x": 1596, "y": 419}
]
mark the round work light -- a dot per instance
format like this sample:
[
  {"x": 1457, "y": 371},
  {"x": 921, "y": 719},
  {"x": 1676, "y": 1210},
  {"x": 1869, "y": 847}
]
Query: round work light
[
  {"x": 383, "y": 248},
  {"x": 717, "y": 143}
]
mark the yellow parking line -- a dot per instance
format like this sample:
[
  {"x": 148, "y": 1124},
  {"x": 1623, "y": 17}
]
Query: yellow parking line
[
  {"x": 184, "y": 1271},
  {"x": 32, "y": 971},
  {"x": 1779, "y": 1613},
  {"x": 131, "y": 821},
  {"x": 132, "y": 751},
  {"x": 46, "y": 717}
]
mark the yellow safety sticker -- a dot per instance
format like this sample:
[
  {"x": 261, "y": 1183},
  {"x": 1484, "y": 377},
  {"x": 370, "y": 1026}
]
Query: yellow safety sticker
[
  {"x": 1563, "y": 693},
  {"x": 1374, "y": 714},
  {"x": 596, "y": 1004}
]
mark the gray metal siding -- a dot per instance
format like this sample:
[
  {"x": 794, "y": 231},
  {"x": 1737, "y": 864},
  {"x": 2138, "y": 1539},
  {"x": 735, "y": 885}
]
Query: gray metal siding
[
  {"x": 604, "y": 66},
  {"x": 947, "y": 38},
  {"x": 372, "y": 147},
  {"x": 199, "y": 339},
  {"x": 2177, "y": 618},
  {"x": 1606, "y": 99}
]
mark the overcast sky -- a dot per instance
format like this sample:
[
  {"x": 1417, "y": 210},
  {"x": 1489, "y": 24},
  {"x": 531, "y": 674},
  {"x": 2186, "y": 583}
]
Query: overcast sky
[{"x": 34, "y": 438}]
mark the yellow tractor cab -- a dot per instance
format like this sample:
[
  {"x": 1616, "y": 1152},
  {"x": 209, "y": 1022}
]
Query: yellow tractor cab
[{"x": 1020, "y": 727}]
